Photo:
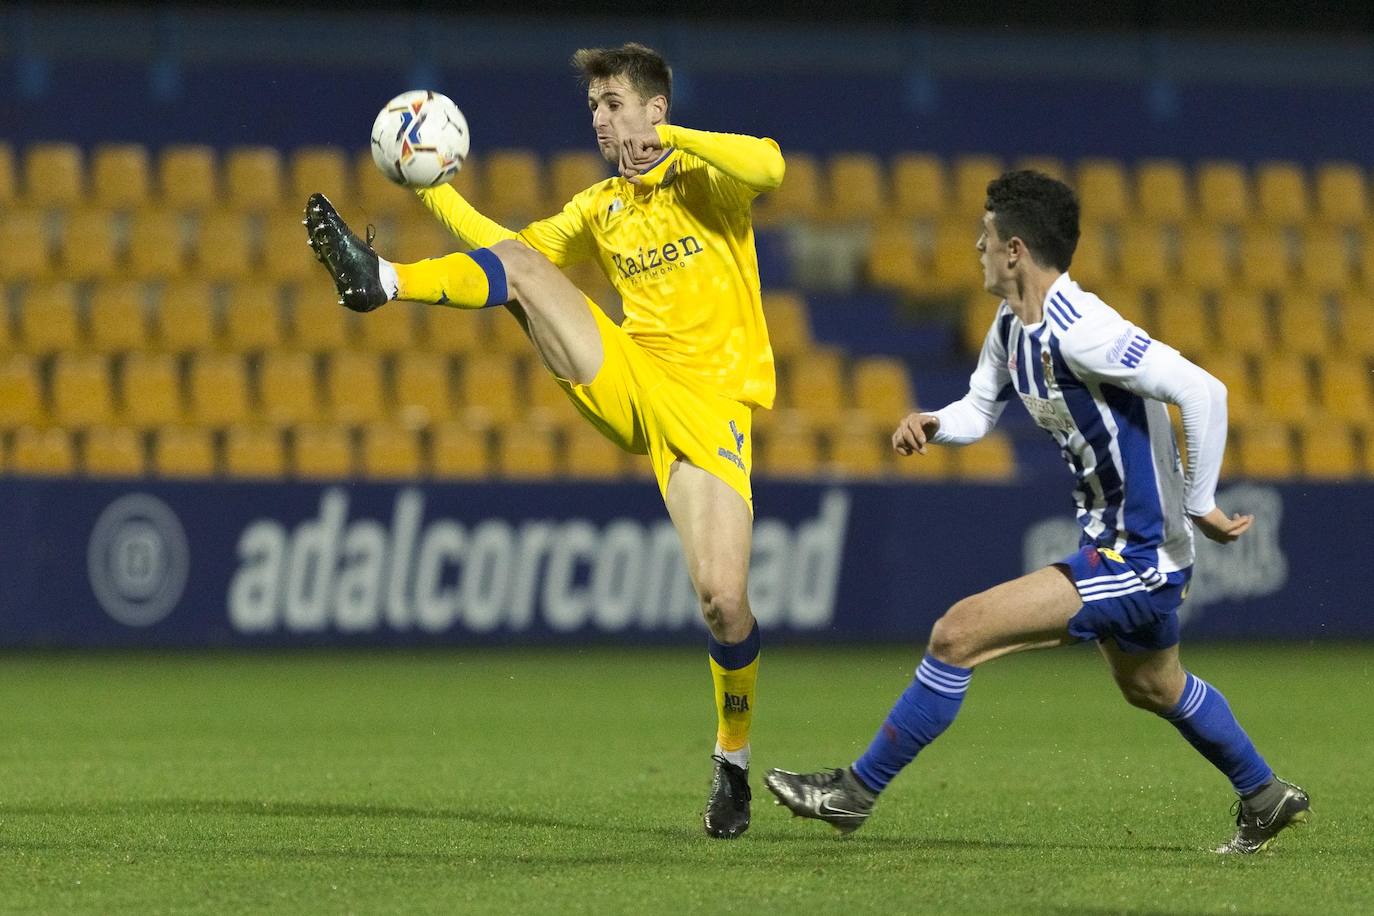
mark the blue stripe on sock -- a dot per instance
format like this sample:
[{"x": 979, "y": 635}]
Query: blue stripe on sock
[
  {"x": 496, "y": 275},
  {"x": 738, "y": 655},
  {"x": 1205, "y": 720},
  {"x": 920, "y": 715}
]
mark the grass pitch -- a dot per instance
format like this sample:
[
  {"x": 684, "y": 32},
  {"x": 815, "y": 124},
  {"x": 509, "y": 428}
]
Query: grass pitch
[{"x": 567, "y": 781}]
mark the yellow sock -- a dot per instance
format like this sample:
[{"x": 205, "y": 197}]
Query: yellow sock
[
  {"x": 734, "y": 671},
  {"x": 466, "y": 280}
]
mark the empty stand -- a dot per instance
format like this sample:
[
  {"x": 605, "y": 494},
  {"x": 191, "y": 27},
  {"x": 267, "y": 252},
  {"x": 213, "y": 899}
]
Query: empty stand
[
  {"x": 188, "y": 178},
  {"x": 254, "y": 452},
  {"x": 114, "y": 451},
  {"x": 321, "y": 453},
  {"x": 121, "y": 176},
  {"x": 184, "y": 452}
]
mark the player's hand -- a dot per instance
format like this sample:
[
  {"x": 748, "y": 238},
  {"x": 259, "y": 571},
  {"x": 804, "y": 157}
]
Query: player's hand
[
  {"x": 1221, "y": 528},
  {"x": 913, "y": 432},
  {"x": 638, "y": 152}
]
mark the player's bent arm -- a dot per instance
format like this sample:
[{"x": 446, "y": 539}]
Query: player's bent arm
[
  {"x": 461, "y": 218},
  {"x": 966, "y": 420},
  {"x": 753, "y": 161}
]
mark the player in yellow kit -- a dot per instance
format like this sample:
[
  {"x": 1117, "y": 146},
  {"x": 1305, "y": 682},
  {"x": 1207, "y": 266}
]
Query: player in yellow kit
[{"x": 679, "y": 379}]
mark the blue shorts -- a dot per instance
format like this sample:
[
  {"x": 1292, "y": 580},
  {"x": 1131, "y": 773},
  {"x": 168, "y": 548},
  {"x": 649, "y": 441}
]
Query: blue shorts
[{"x": 1137, "y": 607}]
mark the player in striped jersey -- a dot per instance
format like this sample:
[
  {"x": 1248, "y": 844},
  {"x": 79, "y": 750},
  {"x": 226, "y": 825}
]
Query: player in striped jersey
[{"x": 1098, "y": 385}]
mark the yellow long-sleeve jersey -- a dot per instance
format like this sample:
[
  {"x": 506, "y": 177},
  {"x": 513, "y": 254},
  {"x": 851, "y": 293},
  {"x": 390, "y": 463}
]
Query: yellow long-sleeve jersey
[{"x": 678, "y": 247}]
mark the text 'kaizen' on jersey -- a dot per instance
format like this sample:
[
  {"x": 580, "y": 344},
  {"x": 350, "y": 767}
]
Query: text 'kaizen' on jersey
[{"x": 657, "y": 259}]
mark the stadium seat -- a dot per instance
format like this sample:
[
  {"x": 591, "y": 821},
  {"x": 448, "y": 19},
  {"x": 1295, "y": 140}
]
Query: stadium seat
[
  {"x": 120, "y": 176},
  {"x": 788, "y": 452},
  {"x": 489, "y": 390},
  {"x": 1325, "y": 264},
  {"x": 1328, "y": 451},
  {"x": 42, "y": 452},
  {"x": 1223, "y": 193},
  {"x": 252, "y": 317},
  {"x": 318, "y": 168},
  {"x": 118, "y": 317},
  {"x": 1355, "y": 333},
  {"x": 219, "y": 390},
  {"x": 355, "y": 387},
  {"x": 1285, "y": 389},
  {"x": 183, "y": 452},
  {"x": 858, "y": 451},
  {"x": 49, "y": 319},
  {"x": 417, "y": 237},
  {"x": 25, "y": 255},
  {"x": 423, "y": 393},
  {"x": 816, "y": 389},
  {"x": 254, "y": 452},
  {"x": 150, "y": 391},
  {"x": 591, "y": 456},
  {"x": 21, "y": 392},
  {"x": 1161, "y": 191},
  {"x": 1243, "y": 322},
  {"x": 1091, "y": 259},
  {"x": 990, "y": 459},
  {"x": 53, "y": 175},
  {"x": 187, "y": 178},
  {"x": 1346, "y": 392},
  {"x": 288, "y": 389},
  {"x": 1233, "y": 371},
  {"x": 971, "y": 177},
  {"x": 321, "y": 453},
  {"x": 975, "y": 320},
  {"x": 1204, "y": 261},
  {"x": 286, "y": 255},
  {"x": 799, "y": 196},
  {"x": 89, "y": 247},
  {"x": 1052, "y": 166},
  {"x": 546, "y": 403},
  {"x": 224, "y": 247},
  {"x": 882, "y": 386},
  {"x": 526, "y": 453},
  {"x": 1303, "y": 323},
  {"x": 459, "y": 452},
  {"x": 858, "y": 188},
  {"x": 1281, "y": 192},
  {"x": 390, "y": 329},
  {"x": 157, "y": 249},
  {"x": 954, "y": 262},
  {"x": 318, "y": 322},
  {"x": 186, "y": 317},
  {"x": 253, "y": 178},
  {"x": 81, "y": 393},
  {"x": 513, "y": 191},
  {"x": 1181, "y": 320},
  {"x": 391, "y": 452},
  {"x": 936, "y": 464},
  {"x": 1264, "y": 262},
  {"x": 1266, "y": 451},
  {"x": 1341, "y": 195},
  {"x": 895, "y": 260},
  {"x": 919, "y": 186},
  {"x": 1103, "y": 190},
  {"x": 375, "y": 195},
  {"x": 572, "y": 172},
  {"x": 452, "y": 331},
  {"x": 9, "y": 183},
  {"x": 114, "y": 451},
  {"x": 789, "y": 324},
  {"x": 1130, "y": 302}
]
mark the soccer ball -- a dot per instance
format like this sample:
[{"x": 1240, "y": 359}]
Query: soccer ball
[{"x": 420, "y": 139}]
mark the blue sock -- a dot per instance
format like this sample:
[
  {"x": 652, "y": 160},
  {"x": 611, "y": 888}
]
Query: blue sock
[
  {"x": 1205, "y": 719},
  {"x": 924, "y": 710}
]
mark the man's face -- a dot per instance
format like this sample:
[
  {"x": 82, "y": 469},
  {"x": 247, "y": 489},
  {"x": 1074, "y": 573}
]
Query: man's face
[
  {"x": 992, "y": 253},
  {"x": 619, "y": 112}
]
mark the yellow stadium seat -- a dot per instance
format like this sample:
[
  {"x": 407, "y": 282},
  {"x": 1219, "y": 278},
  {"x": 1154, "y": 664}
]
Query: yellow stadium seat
[
  {"x": 21, "y": 392},
  {"x": 882, "y": 386},
  {"x": 254, "y": 452},
  {"x": 1325, "y": 264},
  {"x": 1281, "y": 192},
  {"x": 157, "y": 245},
  {"x": 417, "y": 237},
  {"x": 990, "y": 459},
  {"x": 252, "y": 316},
  {"x": 452, "y": 331},
  {"x": 1355, "y": 334},
  {"x": 9, "y": 184},
  {"x": 319, "y": 168},
  {"x": 1223, "y": 192},
  {"x": 971, "y": 177},
  {"x": 514, "y": 186},
  {"x": 321, "y": 453},
  {"x": 570, "y": 173},
  {"x": 224, "y": 247},
  {"x": 1303, "y": 325},
  {"x": 1103, "y": 190},
  {"x": 42, "y": 452},
  {"x": 1181, "y": 320},
  {"x": 423, "y": 393},
  {"x": 858, "y": 187},
  {"x": 975, "y": 321},
  {"x": 89, "y": 248},
  {"x": 936, "y": 464},
  {"x": 919, "y": 186},
  {"x": 288, "y": 389},
  {"x": 53, "y": 174},
  {"x": 118, "y": 317},
  {"x": 1233, "y": 370},
  {"x": 489, "y": 390},
  {"x": 788, "y": 452},
  {"x": 188, "y": 178},
  {"x": 120, "y": 176},
  {"x": 81, "y": 391},
  {"x": 1267, "y": 451},
  {"x": 1129, "y": 302},
  {"x": 1052, "y": 166},
  {"x": 1091, "y": 259},
  {"x": 318, "y": 322},
  {"x": 526, "y": 453},
  {"x": 506, "y": 335},
  {"x": 355, "y": 387},
  {"x": 1264, "y": 259},
  {"x": 1328, "y": 452},
  {"x": 1204, "y": 262},
  {"x": 798, "y": 197},
  {"x": 183, "y": 452},
  {"x": 1161, "y": 191},
  {"x": 789, "y": 324},
  {"x": 49, "y": 320},
  {"x": 186, "y": 317},
  {"x": 1341, "y": 196},
  {"x": 894, "y": 259},
  {"x": 816, "y": 387},
  {"x": 390, "y": 329},
  {"x": 591, "y": 456},
  {"x": 954, "y": 264},
  {"x": 377, "y": 196},
  {"x": 547, "y": 405},
  {"x": 286, "y": 255},
  {"x": 459, "y": 452},
  {"x": 25, "y": 254},
  {"x": 114, "y": 451},
  {"x": 150, "y": 391},
  {"x": 1346, "y": 390},
  {"x": 858, "y": 451},
  {"x": 219, "y": 390},
  {"x": 253, "y": 178},
  {"x": 1243, "y": 322},
  {"x": 391, "y": 452},
  {"x": 1285, "y": 389}
]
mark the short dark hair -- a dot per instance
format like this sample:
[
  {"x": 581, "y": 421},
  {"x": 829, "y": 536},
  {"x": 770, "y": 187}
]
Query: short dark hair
[
  {"x": 643, "y": 68},
  {"x": 1038, "y": 209}
]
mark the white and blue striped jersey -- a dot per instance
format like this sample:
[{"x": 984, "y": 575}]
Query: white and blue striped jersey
[{"x": 1098, "y": 385}]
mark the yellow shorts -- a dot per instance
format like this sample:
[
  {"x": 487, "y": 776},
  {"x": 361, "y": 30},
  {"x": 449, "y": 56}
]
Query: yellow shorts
[{"x": 644, "y": 406}]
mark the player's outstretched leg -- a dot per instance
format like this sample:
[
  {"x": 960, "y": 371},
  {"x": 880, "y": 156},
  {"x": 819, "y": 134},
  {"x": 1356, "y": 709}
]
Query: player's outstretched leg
[{"x": 350, "y": 260}]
